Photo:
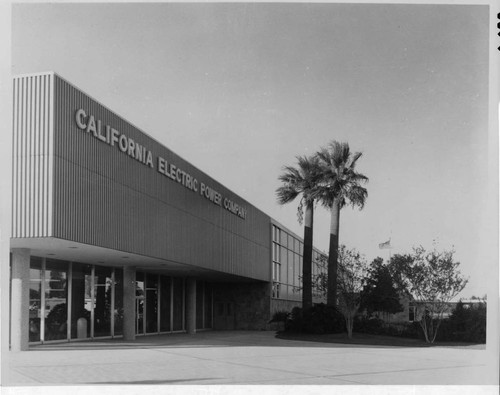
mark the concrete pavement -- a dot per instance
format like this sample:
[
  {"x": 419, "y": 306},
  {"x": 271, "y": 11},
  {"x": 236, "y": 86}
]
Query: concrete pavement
[{"x": 244, "y": 357}]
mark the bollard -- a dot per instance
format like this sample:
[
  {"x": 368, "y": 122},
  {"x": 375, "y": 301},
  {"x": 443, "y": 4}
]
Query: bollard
[{"x": 81, "y": 328}]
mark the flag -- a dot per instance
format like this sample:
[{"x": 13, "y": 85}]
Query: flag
[{"x": 385, "y": 245}]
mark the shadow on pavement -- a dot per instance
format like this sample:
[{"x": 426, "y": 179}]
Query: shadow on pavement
[{"x": 244, "y": 339}]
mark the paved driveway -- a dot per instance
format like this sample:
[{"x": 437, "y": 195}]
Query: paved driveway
[{"x": 242, "y": 357}]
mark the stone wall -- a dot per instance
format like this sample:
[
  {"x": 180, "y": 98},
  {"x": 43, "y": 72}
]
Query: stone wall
[{"x": 251, "y": 301}]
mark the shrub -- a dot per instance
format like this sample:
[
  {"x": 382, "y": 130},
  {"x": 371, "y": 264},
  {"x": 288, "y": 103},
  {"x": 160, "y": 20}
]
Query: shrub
[
  {"x": 317, "y": 319},
  {"x": 465, "y": 324},
  {"x": 413, "y": 330},
  {"x": 374, "y": 326},
  {"x": 280, "y": 316}
]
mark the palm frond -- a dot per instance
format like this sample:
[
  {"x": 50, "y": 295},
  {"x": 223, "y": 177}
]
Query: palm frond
[
  {"x": 339, "y": 180},
  {"x": 357, "y": 196},
  {"x": 286, "y": 194},
  {"x": 300, "y": 180}
]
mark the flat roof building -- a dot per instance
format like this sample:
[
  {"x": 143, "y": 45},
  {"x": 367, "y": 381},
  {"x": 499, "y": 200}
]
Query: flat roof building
[{"x": 115, "y": 235}]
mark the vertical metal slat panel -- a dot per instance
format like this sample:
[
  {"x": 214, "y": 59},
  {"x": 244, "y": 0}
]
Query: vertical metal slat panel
[
  {"x": 104, "y": 197},
  {"x": 31, "y": 157}
]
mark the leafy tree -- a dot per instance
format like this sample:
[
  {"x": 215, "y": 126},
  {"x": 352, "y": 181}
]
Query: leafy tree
[
  {"x": 340, "y": 185},
  {"x": 432, "y": 280},
  {"x": 380, "y": 293},
  {"x": 302, "y": 180},
  {"x": 352, "y": 277},
  {"x": 352, "y": 273},
  {"x": 320, "y": 279}
]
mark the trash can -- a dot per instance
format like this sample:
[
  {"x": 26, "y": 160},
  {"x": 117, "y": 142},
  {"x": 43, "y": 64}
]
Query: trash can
[{"x": 81, "y": 328}]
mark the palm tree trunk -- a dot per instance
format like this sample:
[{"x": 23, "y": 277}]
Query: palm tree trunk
[
  {"x": 333, "y": 255},
  {"x": 307, "y": 257}
]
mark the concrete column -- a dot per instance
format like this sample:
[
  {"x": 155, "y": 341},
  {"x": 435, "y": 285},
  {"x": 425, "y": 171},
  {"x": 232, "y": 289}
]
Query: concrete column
[
  {"x": 129, "y": 303},
  {"x": 20, "y": 286},
  {"x": 191, "y": 306}
]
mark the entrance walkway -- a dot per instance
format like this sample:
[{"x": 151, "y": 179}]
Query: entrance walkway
[{"x": 243, "y": 357}]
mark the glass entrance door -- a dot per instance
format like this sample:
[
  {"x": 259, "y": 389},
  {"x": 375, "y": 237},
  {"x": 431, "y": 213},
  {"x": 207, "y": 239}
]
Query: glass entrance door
[
  {"x": 139, "y": 315},
  {"x": 139, "y": 303}
]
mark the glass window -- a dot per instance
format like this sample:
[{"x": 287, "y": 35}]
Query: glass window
[
  {"x": 165, "y": 292},
  {"x": 199, "y": 304},
  {"x": 56, "y": 307},
  {"x": 35, "y": 309},
  {"x": 283, "y": 238},
  {"x": 295, "y": 293},
  {"x": 139, "y": 301},
  {"x": 283, "y": 291},
  {"x": 80, "y": 300},
  {"x": 220, "y": 309},
  {"x": 283, "y": 255},
  {"x": 297, "y": 272},
  {"x": 151, "y": 303},
  {"x": 118, "y": 302},
  {"x": 276, "y": 271},
  {"x": 208, "y": 305},
  {"x": 290, "y": 267},
  {"x": 301, "y": 248},
  {"x": 290, "y": 242},
  {"x": 102, "y": 303},
  {"x": 151, "y": 281},
  {"x": 411, "y": 313},
  {"x": 296, "y": 246},
  {"x": 178, "y": 304}
]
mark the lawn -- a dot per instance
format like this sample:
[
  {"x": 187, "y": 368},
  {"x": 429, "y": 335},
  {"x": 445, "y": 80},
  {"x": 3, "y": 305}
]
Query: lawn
[{"x": 371, "y": 340}]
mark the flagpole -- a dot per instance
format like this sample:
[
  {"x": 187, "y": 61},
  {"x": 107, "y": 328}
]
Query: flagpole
[{"x": 387, "y": 245}]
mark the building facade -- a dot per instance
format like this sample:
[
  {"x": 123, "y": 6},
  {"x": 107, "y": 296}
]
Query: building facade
[{"x": 115, "y": 235}]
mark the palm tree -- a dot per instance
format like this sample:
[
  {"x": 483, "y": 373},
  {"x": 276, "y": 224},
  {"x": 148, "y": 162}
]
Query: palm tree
[
  {"x": 302, "y": 180},
  {"x": 339, "y": 186}
]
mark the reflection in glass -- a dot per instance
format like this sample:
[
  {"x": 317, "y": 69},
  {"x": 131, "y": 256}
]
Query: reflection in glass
[
  {"x": 35, "y": 309},
  {"x": 178, "y": 304},
  {"x": 80, "y": 300},
  {"x": 56, "y": 309},
  {"x": 102, "y": 304},
  {"x": 139, "y": 303},
  {"x": 199, "y": 304},
  {"x": 208, "y": 305},
  {"x": 118, "y": 302},
  {"x": 165, "y": 290},
  {"x": 151, "y": 303}
]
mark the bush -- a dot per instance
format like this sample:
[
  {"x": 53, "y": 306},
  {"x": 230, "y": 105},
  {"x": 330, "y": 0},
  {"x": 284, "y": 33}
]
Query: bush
[
  {"x": 318, "y": 319},
  {"x": 465, "y": 325},
  {"x": 413, "y": 330},
  {"x": 280, "y": 316},
  {"x": 374, "y": 326}
]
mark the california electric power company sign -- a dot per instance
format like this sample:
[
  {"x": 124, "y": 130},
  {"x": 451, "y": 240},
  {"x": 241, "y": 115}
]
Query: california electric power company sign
[{"x": 109, "y": 135}]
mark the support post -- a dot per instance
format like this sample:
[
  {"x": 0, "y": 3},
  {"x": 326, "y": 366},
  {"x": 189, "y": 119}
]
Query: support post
[{"x": 19, "y": 324}]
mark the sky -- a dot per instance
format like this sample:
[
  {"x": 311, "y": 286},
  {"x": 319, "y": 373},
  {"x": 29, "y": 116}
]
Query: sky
[{"x": 240, "y": 89}]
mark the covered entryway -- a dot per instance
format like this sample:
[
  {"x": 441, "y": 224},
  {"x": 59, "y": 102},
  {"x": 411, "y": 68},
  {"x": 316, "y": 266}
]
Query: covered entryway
[{"x": 224, "y": 316}]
